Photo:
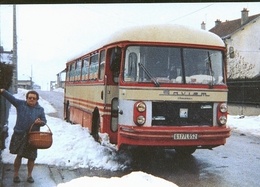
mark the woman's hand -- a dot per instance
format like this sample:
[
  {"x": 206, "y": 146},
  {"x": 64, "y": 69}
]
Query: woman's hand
[{"x": 39, "y": 122}]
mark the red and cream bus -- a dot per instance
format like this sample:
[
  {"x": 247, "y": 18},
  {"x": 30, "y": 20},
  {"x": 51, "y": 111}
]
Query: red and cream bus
[{"x": 161, "y": 85}]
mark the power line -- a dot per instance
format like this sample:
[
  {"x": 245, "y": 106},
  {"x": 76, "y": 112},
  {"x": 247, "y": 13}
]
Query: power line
[{"x": 190, "y": 13}]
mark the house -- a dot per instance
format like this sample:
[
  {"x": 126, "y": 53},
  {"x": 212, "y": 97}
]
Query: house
[
  {"x": 25, "y": 82},
  {"x": 242, "y": 40},
  {"x": 61, "y": 76},
  {"x": 6, "y": 56}
]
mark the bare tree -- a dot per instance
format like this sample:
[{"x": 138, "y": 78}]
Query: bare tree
[{"x": 238, "y": 68}]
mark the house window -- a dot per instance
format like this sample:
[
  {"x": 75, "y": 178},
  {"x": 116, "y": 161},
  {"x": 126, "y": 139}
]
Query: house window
[{"x": 231, "y": 52}]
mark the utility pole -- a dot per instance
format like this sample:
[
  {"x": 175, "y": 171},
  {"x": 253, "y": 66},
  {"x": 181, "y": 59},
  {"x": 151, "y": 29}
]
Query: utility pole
[{"x": 15, "y": 84}]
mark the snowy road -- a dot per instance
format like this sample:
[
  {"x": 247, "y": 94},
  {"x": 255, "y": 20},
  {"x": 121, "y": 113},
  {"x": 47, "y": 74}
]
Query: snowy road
[
  {"x": 55, "y": 99},
  {"x": 235, "y": 164}
]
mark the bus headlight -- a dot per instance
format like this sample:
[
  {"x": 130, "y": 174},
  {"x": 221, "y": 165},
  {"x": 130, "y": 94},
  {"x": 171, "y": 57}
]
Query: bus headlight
[
  {"x": 141, "y": 107},
  {"x": 140, "y": 120},
  {"x": 223, "y": 107},
  {"x": 222, "y": 120},
  {"x": 139, "y": 112},
  {"x": 222, "y": 113}
]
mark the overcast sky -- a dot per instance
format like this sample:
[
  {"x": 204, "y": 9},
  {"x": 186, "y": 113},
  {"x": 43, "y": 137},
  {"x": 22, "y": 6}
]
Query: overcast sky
[{"x": 49, "y": 35}]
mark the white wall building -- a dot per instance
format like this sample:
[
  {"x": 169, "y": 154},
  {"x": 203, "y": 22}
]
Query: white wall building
[{"x": 242, "y": 39}]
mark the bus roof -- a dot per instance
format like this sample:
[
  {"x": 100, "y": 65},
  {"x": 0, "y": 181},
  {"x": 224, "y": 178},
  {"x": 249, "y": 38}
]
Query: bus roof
[
  {"x": 161, "y": 33},
  {"x": 168, "y": 34}
]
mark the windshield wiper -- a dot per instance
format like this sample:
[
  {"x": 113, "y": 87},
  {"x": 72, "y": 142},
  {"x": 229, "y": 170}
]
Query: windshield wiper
[
  {"x": 157, "y": 84},
  {"x": 210, "y": 71}
]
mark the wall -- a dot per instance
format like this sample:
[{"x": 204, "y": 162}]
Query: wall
[{"x": 246, "y": 44}]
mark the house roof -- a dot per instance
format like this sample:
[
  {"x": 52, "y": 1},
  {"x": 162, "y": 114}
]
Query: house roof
[{"x": 225, "y": 29}]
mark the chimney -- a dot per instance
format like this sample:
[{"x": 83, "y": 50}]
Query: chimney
[
  {"x": 203, "y": 25},
  {"x": 244, "y": 16},
  {"x": 217, "y": 22}
]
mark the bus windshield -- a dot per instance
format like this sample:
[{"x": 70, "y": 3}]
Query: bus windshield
[{"x": 173, "y": 65}]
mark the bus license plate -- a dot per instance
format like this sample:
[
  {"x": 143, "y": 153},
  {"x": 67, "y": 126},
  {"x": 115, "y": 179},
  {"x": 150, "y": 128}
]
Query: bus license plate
[{"x": 185, "y": 136}]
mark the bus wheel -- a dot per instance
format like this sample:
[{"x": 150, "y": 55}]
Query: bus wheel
[
  {"x": 95, "y": 125},
  {"x": 185, "y": 151}
]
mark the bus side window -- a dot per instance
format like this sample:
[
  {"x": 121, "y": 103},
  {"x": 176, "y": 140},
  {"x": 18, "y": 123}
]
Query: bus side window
[
  {"x": 85, "y": 69},
  {"x": 115, "y": 61},
  {"x": 77, "y": 70},
  {"x": 102, "y": 65},
  {"x": 67, "y": 73},
  {"x": 72, "y": 72},
  {"x": 94, "y": 67},
  {"x": 70, "y": 67}
]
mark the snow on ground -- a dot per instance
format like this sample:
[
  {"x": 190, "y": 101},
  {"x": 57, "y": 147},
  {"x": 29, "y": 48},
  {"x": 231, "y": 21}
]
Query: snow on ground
[
  {"x": 245, "y": 124},
  {"x": 74, "y": 147},
  {"x": 137, "y": 179},
  {"x": 58, "y": 90}
]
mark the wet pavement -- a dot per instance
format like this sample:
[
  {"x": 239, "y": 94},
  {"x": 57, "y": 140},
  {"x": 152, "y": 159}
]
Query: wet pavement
[{"x": 50, "y": 176}]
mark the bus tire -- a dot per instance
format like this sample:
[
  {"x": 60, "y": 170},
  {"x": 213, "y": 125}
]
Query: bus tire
[
  {"x": 95, "y": 125},
  {"x": 185, "y": 151}
]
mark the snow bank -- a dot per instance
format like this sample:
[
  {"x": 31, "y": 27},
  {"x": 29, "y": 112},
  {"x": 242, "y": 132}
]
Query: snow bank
[
  {"x": 73, "y": 146},
  {"x": 245, "y": 124},
  {"x": 137, "y": 179}
]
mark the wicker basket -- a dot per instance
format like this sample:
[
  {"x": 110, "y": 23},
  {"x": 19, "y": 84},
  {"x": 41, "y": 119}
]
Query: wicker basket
[{"x": 40, "y": 140}]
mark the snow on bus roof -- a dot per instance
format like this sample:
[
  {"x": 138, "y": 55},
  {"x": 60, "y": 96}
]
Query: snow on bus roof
[
  {"x": 167, "y": 33},
  {"x": 162, "y": 33}
]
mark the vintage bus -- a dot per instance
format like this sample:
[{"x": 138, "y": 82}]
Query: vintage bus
[{"x": 159, "y": 85}]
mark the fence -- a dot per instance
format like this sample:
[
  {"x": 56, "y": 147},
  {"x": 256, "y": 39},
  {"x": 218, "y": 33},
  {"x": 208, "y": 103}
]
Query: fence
[{"x": 246, "y": 91}]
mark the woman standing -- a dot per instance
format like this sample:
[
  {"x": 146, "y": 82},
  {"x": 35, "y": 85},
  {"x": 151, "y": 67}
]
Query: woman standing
[{"x": 28, "y": 112}]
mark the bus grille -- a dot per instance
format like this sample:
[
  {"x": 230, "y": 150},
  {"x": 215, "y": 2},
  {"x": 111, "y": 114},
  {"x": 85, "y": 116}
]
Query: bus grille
[{"x": 182, "y": 114}]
